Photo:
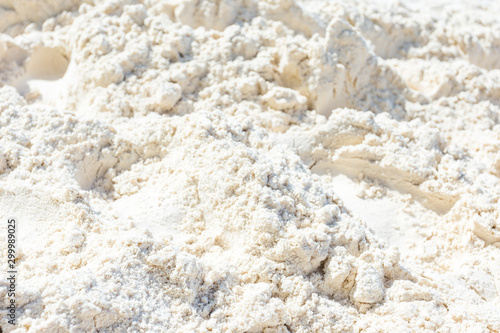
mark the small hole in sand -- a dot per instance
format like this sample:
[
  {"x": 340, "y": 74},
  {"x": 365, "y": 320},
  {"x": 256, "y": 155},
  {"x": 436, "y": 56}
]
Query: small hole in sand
[{"x": 47, "y": 63}]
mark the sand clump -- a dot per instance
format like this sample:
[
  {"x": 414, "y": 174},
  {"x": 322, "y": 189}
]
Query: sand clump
[{"x": 252, "y": 165}]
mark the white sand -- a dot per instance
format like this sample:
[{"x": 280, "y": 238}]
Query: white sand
[{"x": 251, "y": 165}]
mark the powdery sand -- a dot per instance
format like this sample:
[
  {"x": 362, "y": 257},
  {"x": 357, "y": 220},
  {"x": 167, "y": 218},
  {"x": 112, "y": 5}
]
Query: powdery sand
[{"x": 251, "y": 165}]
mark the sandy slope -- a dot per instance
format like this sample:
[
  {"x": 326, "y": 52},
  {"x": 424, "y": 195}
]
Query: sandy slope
[{"x": 230, "y": 166}]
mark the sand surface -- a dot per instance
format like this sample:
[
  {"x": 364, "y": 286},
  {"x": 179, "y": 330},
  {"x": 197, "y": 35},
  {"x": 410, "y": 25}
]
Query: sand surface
[{"x": 250, "y": 165}]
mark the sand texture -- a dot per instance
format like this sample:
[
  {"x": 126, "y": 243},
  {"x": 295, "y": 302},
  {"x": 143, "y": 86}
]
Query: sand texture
[{"x": 251, "y": 165}]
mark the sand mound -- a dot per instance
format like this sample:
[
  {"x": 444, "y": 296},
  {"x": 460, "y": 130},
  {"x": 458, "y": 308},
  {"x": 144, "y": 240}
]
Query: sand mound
[{"x": 251, "y": 165}]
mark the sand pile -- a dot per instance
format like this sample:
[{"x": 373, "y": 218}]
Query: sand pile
[{"x": 251, "y": 165}]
